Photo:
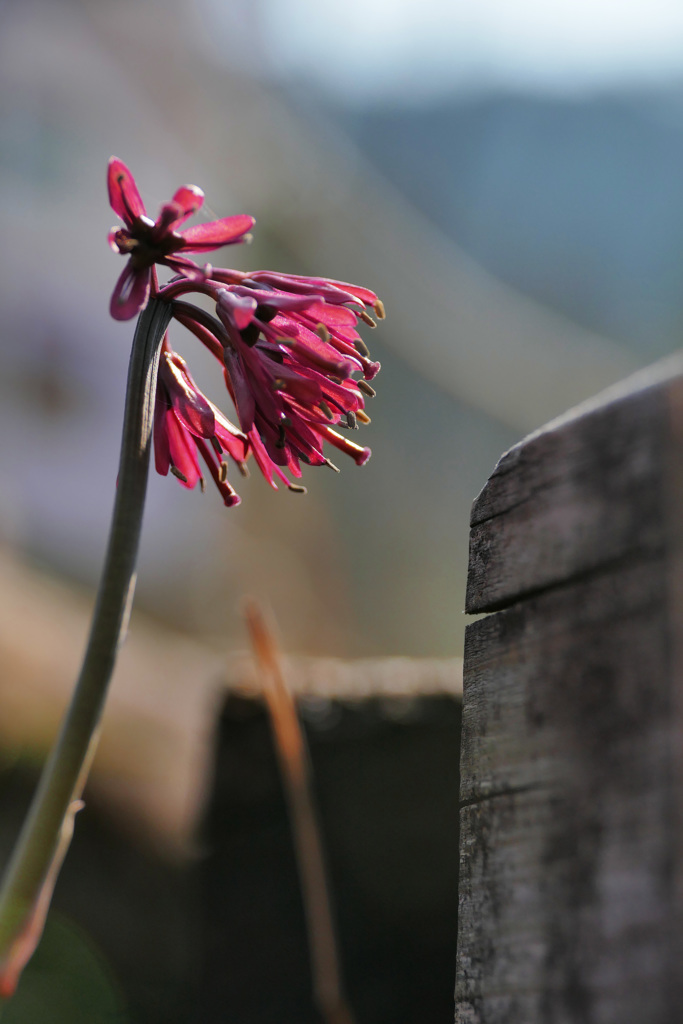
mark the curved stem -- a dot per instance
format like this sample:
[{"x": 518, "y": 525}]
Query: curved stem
[{"x": 67, "y": 767}]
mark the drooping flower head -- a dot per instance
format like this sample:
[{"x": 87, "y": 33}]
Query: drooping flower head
[
  {"x": 293, "y": 361},
  {"x": 291, "y": 358}
]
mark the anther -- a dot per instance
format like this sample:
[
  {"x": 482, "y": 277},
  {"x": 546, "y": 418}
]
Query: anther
[
  {"x": 178, "y": 474},
  {"x": 297, "y": 489},
  {"x": 362, "y": 348},
  {"x": 282, "y": 439},
  {"x": 216, "y": 445},
  {"x": 380, "y": 310},
  {"x": 323, "y": 332},
  {"x": 365, "y": 388},
  {"x": 202, "y": 485},
  {"x": 223, "y": 472},
  {"x": 325, "y": 409},
  {"x": 363, "y": 417},
  {"x": 366, "y": 318},
  {"x": 351, "y": 420},
  {"x": 243, "y": 468},
  {"x": 332, "y": 466}
]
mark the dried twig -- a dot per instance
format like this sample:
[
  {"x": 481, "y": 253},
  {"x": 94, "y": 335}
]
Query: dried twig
[{"x": 294, "y": 764}]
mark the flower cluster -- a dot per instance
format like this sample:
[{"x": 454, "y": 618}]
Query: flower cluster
[{"x": 295, "y": 367}]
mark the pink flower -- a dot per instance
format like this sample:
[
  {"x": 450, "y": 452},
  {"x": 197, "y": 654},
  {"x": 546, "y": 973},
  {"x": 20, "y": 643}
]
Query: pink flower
[
  {"x": 294, "y": 364},
  {"x": 290, "y": 375},
  {"x": 148, "y": 242},
  {"x": 187, "y": 424},
  {"x": 307, "y": 304}
]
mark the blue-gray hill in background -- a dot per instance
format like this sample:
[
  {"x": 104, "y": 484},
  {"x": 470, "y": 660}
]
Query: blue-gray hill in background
[{"x": 577, "y": 202}]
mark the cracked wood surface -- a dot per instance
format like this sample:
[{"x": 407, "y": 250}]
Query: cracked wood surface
[{"x": 570, "y": 882}]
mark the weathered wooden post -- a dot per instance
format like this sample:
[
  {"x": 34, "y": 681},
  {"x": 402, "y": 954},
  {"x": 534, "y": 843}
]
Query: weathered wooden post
[
  {"x": 571, "y": 872},
  {"x": 382, "y": 736}
]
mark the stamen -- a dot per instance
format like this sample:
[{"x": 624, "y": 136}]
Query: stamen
[
  {"x": 363, "y": 417},
  {"x": 362, "y": 348},
  {"x": 124, "y": 243},
  {"x": 178, "y": 474},
  {"x": 366, "y": 318},
  {"x": 365, "y": 388},
  {"x": 380, "y": 310},
  {"x": 223, "y": 472},
  {"x": 297, "y": 489}
]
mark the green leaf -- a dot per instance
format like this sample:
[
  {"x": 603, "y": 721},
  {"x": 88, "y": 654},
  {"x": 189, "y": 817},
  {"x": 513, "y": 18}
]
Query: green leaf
[{"x": 66, "y": 982}]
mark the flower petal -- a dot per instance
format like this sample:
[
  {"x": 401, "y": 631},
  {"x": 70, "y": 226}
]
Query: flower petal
[
  {"x": 323, "y": 358},
  {"x": 185, "y": 202},
  {"x": 245, "y": 403},
  {"x": 183, "y": 450},
  {"x": 190, "y": 406},
  {"x": 131, "y": 292},
  {"x": 188, "y": 199},
  {"x": 336, "y": 292},
  {"x": 162, "y": 452},
  {"x": 238, "y": 309},
  {"x": 123, "y": 192},
  {"x": 277, "y": 300},
  {"x": 204, "y": 237},
  {"x": 264, "y": 461},
  {"x": 332, "y": 316},
  {"x": 186, "y": 268},
  {"x": 231, "y": 437}
]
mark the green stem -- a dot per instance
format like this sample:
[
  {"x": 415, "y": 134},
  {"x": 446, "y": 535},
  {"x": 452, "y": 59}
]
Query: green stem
[{"x": 65, "y": 771}]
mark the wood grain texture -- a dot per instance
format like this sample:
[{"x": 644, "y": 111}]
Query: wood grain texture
[
  {"x": 570, "y": 866},
  {"x": 575, "y": 496}
]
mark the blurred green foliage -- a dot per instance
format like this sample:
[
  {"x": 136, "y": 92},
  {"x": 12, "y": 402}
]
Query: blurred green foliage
[{"x": 66, "y": 982}]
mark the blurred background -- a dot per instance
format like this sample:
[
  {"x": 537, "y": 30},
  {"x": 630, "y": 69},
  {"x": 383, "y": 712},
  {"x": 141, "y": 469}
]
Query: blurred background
[{"x": 506, "y": 175}]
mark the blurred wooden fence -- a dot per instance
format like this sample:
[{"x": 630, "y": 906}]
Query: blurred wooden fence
[{"x": 572, "y": 755}]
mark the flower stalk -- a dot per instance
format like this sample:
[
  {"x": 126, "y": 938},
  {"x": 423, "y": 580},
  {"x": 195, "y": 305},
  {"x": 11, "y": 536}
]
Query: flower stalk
[
  {"x": 64, "y": 774},
  {"x": 288, "y": 349}
]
